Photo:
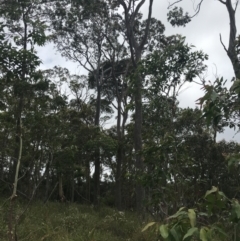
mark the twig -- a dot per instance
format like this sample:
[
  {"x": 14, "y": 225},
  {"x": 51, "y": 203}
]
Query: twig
[
  {"x": 223, "y": 44},
  {"x": 197, "y": 9},
  {"x": 236, "y": 6},
  {"x": 170, "y": 5},
  {"x": 222, "y": 2}
]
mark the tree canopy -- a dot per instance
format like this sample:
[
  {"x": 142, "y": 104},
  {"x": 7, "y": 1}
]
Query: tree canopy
[{"x": 117, "y": 135}]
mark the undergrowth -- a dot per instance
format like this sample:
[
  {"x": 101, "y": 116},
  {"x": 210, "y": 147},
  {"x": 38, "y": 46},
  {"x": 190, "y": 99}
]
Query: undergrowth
[{"x": 73, "y": 222}]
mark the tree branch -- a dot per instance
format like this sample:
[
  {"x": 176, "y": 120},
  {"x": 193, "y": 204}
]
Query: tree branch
[
  {"x": 137, "y": 9},
  {"x": 236, "y": 6},
  {"x": 148, "y": 25},
  {"x": 198, "y": 9},
  {"x": 223, "y": 44},
  {"x": 174, "y": 3},
  {"x": 222, "y": 2}
]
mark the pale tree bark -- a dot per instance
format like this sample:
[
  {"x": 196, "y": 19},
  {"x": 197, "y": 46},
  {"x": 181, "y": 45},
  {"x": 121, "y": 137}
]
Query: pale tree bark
[
  {"x": 19, "y": 144},
  {"x": 131, "y": 10},
  {"x": 14, "y": 193},
  {"x": 12, "y": 218}
]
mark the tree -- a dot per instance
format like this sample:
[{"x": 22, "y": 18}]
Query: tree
[
  {"x": 136, "y": 46},
  {"x": 176, "y": 17},
  {"x": 166, "y": 71},
  {"x": 84, "y": 41},
  {"x": 116, "y": 89}
]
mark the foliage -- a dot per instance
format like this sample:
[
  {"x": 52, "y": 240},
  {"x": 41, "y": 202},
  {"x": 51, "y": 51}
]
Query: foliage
[
  {"x": 221, "y": 104},
  {"x": 56, "y": 221},
  {"x": 217, "y": 218},
  {"x": 176, "y": 17},
  {"x": 107, "y": 137}
]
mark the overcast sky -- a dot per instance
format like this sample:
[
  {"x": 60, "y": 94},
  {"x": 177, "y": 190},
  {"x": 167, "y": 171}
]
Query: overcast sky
[{"x": 203, "y": 32}]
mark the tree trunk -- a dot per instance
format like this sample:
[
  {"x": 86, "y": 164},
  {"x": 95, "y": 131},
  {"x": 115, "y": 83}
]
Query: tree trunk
[
  {"x": 88, "y": 179},
  {"x": 72, "y": 187},
  {"x": 138, "y": 142},
  {"x": 60, "y": 188},
  {"x": 97, "y": 161},
  {"x": 118, "y": 195},
  {"x": 14, "y": 193},
  {"x": 131, "y": 9},
  {"x": 47, "y": 186}
]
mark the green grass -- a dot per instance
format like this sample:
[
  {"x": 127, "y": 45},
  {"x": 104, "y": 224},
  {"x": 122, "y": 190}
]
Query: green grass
[{"x": 74, "y": 222}]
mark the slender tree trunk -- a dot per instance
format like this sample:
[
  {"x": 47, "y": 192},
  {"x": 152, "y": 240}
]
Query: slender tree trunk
[
  {"x": 12, "y": 216},
  {"x": 118, "y": 200},
  {"x": 47, "y": 186},
  {"x": 97, "y": 179},
  {"x": 18, "y": 139},
  {"x": 138, "y": 142},
  {"x": 87, "y": 175},
  {"x": 14, "y": 193},
  {"x": 2, "y": 164},
  {"x": 73, "y": 187},
  {"x": 131, "y": 9},
  {"x": 60, "y": 188},
  {"x": 118, "y": 195},
  {"x": 97, "y": 161}
]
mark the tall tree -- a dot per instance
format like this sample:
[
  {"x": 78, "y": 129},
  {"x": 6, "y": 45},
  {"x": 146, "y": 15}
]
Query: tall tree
[
  {"x": 131, "y": 12},
  {"x": 116, "y": 89},
  {"x": 77, "y": 43},
  {"x": 90, "y": 41}
]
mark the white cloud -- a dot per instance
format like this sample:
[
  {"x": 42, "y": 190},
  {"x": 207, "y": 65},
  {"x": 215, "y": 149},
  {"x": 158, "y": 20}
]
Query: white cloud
[{"x": 203, "y": 32}]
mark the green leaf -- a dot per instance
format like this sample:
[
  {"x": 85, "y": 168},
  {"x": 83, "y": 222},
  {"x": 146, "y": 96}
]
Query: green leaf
[
  {"x": 236, "y": 208},
  {"x": 192, "y": 217},
  {"x": 214, "y": 96},
  {"x": 182, "y": 208},
  {"x": 179, "y": 213},
  {"x": 190, "y": 232},
  {"x": 164, "y": 231},
  {"x": 148, "y": 225},
  {"x": 222, "y": 195},
  {"x": 214, "y": 189},
  {"x": 203, "y": 214},
  {"x": 203, "y": 234},
  {"x": 174, "y": 233}
]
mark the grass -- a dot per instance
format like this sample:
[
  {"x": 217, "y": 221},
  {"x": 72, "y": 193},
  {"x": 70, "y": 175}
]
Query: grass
[{"x": 74, "y": 222}]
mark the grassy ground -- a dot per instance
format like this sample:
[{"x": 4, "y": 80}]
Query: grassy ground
[{"x": 73, "y": 222}]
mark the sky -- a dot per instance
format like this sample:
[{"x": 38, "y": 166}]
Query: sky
[{"x": 202, "y": 32}]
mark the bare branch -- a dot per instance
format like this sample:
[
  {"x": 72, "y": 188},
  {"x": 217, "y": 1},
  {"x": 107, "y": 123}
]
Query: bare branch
[
  {"x": 223, "y": 44},
  {"x": 137, "y": 9},
  {"x": 174, "y": 3},
  {"x": 198, "y": 9},
  {"x": 236, "y": 5},
  {"x": 123, "y": 5},
  {"x": 221, "y": 1}
]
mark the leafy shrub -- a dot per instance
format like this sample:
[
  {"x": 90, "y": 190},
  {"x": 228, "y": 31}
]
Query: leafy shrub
[{"x": 218, "y": 218}]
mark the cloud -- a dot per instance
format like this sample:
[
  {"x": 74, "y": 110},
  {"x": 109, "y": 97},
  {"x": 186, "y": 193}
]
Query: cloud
[{"x": 203, "y": 32}]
